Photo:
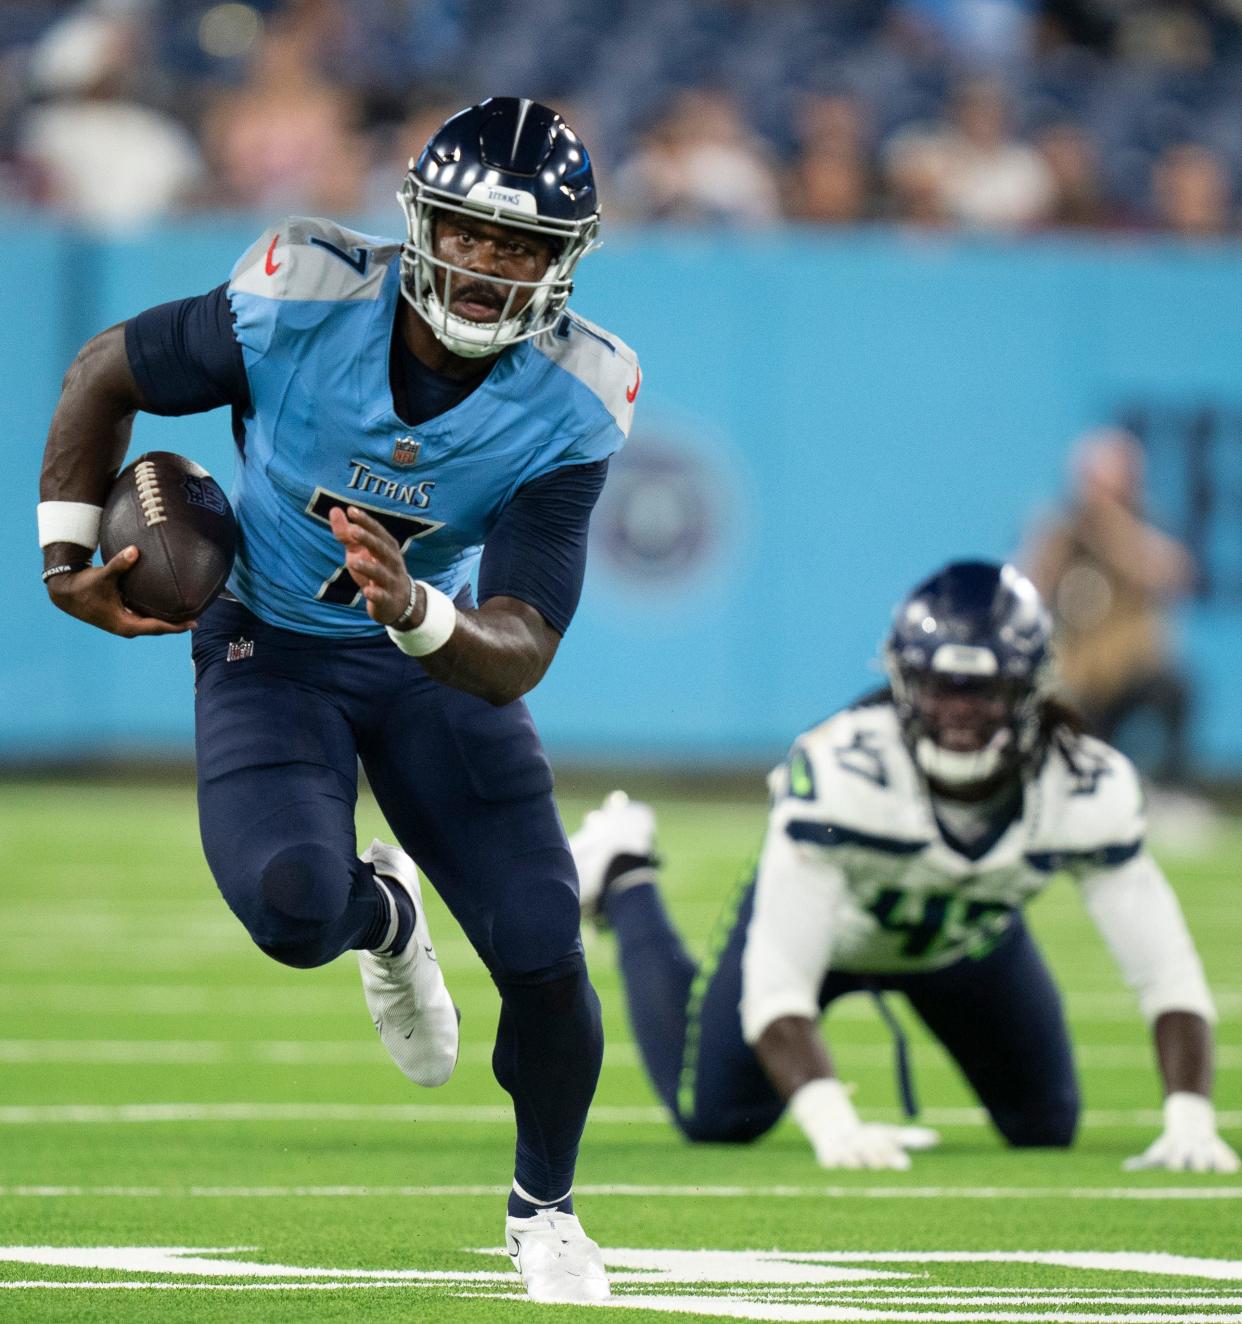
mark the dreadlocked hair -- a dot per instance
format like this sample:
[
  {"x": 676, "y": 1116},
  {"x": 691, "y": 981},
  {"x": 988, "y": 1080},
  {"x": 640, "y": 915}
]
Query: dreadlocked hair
[
  {"x": 874, "y": 698},
  {"x": 1061, "y": 725}
]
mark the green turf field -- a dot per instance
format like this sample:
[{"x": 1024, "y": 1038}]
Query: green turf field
[{"x": 191, "y": 1132}]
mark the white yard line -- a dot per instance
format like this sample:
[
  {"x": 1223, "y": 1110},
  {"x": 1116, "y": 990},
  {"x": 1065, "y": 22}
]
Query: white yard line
[
  {"x": 310, "y": 1052},
  {"x": 294, "y": 997},
  {"x": 109, "y": 1114},
  {"x": 1032, "y": 1296},
  {"x": 214, "y": 1052},
  {"x": 1020, "y": 1298},
  {"x": 646, "y": 1192},
  {"x": 715, "y": 1307},
  {"x": 152, "y": 1286}
]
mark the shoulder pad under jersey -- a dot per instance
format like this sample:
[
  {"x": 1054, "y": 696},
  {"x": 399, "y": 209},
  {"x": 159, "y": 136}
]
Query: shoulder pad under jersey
[
  {"x": 604, "y": 364},
  {"x": 850, "y": 781},
  {"x": 1088, "y": 803},
  {"x": 308, "y": 258}
]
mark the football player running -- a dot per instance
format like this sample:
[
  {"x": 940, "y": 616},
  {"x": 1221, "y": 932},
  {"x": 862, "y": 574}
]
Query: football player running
[
  {"x": 397, "y": 407},
  {"x": 905, "y": 836}
]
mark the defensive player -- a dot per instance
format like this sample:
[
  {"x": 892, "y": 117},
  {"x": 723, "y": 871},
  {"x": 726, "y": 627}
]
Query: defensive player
[
  {"x": 397, "y": 407},
  {"x": 905, "y": 836}
]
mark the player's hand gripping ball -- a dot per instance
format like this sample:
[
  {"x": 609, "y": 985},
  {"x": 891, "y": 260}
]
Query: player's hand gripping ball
[{"x": 178, "y": 517}]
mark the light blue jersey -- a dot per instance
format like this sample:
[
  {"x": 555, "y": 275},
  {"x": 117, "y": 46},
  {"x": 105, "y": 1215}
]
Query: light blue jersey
[{"x": 314, "y": 308}]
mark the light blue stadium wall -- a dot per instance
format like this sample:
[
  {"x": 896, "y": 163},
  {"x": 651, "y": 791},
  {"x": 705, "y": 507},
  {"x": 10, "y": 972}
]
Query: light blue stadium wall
[{"x": 822, "y": 420}]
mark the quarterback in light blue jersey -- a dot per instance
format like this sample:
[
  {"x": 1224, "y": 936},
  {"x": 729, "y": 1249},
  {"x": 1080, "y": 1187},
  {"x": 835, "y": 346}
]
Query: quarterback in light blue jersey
[
  {"x": 411, "y": 417},
  {"x": 562, "y": 398}
]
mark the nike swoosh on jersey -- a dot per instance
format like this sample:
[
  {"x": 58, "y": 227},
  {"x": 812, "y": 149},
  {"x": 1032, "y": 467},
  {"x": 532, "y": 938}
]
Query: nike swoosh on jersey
[{"x": 269, "y": 266}]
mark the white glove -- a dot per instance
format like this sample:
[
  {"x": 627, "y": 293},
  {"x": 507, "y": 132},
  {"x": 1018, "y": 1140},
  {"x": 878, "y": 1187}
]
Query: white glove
[
  {"x": 1189, "y": 1142},
  {"x": 841, "y": 1139}
]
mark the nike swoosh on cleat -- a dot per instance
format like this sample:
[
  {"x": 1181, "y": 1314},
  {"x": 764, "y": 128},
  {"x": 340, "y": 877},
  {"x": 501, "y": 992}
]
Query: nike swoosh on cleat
[
  {"x": 631, "y": 392},
  {"x": 431, "y": 952},
  {"x": 269, "y": 266},
  {"x": 513, "y": 1246}
]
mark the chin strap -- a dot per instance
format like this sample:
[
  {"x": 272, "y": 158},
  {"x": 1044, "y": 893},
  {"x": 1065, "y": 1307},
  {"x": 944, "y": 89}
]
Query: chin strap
[{"x": 462, "y": 336}]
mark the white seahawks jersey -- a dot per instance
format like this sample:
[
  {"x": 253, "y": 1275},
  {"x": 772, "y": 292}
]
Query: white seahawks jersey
[{"x": 849, "y": 801}]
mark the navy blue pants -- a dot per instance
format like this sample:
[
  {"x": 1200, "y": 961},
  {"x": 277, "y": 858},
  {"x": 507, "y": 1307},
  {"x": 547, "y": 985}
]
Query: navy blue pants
[
  {"x": 283, "y": 720},
  {"x": 999, "y": 1017}
]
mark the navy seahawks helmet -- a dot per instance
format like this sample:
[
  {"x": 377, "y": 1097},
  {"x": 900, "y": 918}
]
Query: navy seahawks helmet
[
  {"x": 513, "y": 162},
  {"x": 976, "y": 628}
]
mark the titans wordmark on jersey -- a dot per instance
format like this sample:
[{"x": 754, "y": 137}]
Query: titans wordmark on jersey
[
  {"x": 314, "y": 307},
  {"x": 852, "y": 801}
]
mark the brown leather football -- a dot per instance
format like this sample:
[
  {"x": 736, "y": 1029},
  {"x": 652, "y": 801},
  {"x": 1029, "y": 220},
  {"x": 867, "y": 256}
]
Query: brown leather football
[{"x": 178, "y": 517}]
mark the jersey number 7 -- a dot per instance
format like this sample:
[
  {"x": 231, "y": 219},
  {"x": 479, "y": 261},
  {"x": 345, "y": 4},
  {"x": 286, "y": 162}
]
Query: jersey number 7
[{"x": 404, "y": 528}]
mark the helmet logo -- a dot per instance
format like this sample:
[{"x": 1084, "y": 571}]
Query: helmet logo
[
  {"x": 964, "y": 660},
  {"x": 513, "y": 199}
]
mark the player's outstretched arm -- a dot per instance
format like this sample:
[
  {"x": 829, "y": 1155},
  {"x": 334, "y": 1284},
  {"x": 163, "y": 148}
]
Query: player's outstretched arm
[
  {"x": 1138, "y": 915},
  {"x": 793, "y": 1054},
  {"x": 499, "y": 651},
  {"x": 787, "y": 954},
  {"x": 1189, "y": 1141},
  {"x": 86, "y": 445}
]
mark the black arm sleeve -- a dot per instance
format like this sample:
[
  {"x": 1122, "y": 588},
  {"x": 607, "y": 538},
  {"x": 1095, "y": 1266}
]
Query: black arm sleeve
[
  {"x": 185, "y": 357},
  {"x": 537, "y": 550}
]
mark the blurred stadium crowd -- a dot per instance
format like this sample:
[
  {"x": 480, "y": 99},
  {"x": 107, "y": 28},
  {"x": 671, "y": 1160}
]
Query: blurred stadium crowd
[{"x": 994, "y": 114}]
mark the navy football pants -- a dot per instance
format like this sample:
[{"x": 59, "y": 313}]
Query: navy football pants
[
  {"x": 466, "y": 789},
  {"x": 999, "y": 1017}
]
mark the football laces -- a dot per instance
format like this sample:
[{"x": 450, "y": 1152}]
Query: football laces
[{"x": 149, "y": 495}]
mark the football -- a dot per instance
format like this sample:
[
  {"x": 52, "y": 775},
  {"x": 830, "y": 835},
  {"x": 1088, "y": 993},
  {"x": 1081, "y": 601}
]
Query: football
[{"x": 178, "y": 517}]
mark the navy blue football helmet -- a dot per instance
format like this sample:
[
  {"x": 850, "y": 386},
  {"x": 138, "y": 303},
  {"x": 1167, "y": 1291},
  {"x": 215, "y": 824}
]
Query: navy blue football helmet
[
  {"x": 516, "y": 163},
  {"x": 980, "y": 631}
]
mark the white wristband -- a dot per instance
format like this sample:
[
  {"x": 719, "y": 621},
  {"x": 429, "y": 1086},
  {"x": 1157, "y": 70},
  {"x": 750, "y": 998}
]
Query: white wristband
[
  {"x": 823, "y": 1110},
  {"x": 439, "y": 622},
  {"x": 69, "y": 521},
  {"x": 1189, "y": 1113}
]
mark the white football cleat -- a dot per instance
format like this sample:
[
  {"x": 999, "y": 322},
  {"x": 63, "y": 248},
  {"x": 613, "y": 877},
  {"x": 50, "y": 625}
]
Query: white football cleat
[
  {"x": 556, "y": 1258},
  {"x": 406, "y": 994},
  {"x": 620, "y": 826}
]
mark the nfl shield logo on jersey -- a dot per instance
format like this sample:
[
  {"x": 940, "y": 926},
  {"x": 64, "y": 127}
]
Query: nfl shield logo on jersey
[{"x": 405, "y": 451}]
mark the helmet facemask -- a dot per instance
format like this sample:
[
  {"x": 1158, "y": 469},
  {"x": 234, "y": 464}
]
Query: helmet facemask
[
  {"x": 422, "y": 273},
  {"x": 967, "y": 732}
]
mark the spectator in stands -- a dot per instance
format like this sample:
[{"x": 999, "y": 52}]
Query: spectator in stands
[
  {"x": 1173, "y": 36},
  {"x": 983, "y": 32},
  {"x": 830, "y": 181},
  {"x": 396, "y": 144},
  {"x": 98, "y": 155},
  {"x": 914, "y": 168},
  {"x": 288, "y": 139},
  {"x": 1070, "y": 158},
  {"x": 1109, "y": 576},
  {"x": 1190, "y": 192},
  {"x": 324, "y": 93},
  {"x": 991, "y": 180},
  {"x": 700, "y": 164}
]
